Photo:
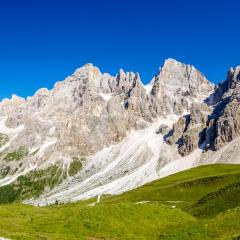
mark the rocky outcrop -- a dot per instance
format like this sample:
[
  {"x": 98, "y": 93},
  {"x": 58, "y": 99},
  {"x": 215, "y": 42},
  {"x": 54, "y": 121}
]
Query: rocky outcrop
[
  {"x": 178, "y": 85},
  {"x": 163, "y": 129},
  {"x": 225, "y": 122},
  {"x": 189, "y": 132},
  {"x": 213, "y": 125}
]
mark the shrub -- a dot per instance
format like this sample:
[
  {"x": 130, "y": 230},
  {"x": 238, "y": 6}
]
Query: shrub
[{"x": 75, "y": 166}]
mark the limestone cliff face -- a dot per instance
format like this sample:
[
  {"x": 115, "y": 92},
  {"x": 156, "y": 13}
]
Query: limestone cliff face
[
  {"x": 225, "y": 121},
  {"x": 189, "y": 132},
  {"x": 178, "y": 85},
  {"x": 212, "y": 126}
]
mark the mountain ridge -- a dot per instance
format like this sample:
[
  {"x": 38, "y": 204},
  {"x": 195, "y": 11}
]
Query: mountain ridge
[
  {"x": 115, "y": 131},
  {"x": 91, "y": 65}
]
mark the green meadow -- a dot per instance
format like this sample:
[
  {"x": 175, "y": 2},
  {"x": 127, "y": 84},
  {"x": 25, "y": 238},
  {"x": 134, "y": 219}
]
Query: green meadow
[{"x": 200, "y": 203}]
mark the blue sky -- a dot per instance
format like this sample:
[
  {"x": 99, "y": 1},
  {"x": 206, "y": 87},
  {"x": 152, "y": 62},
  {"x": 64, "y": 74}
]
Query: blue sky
[{"x": 43, "y": 41}]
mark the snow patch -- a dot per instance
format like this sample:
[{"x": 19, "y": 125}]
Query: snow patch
[
  {"x": 148, "y": 87},
  {"x": 52, "y": 130},
  {"x": 106, "y": 96},
  {"x": 48, "y": 142}
]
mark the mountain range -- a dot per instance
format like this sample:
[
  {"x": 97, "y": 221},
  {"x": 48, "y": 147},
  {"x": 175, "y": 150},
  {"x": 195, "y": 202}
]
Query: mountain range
[{"x": 95, "y": 134}]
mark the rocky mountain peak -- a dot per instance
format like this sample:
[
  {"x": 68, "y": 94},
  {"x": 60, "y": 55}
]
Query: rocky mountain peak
[
  {"x": 176, "y": 78},
  {"x": 14, "y": 99},
  {"x": 229, "y": 88},
  {"x": 233, "y": 77},
  {"x": 87, "y": 71},
  {"x": 171, "y": 63},
  {"x": 42, "y": 91},
  {"x": 178, "y": 85}
]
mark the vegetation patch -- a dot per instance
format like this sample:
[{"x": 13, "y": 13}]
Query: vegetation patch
[
  {"x": 32, "y": 184},
  {"x": 75, "y": 166},
  {"x": 217, "y": 201},
  {"x": 16, "y": 155},
  {"x": 7, "y": 194},
  {"x": 4, "y": 170},
  {"x": 3, "y": 139}
]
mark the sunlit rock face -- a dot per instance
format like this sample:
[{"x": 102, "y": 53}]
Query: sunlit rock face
[
  {"x": 225, "y": 122},
  {"x": 214, "y": 125},
  {"x": 189, "y": 133},
  {"x": 178, "y": 85}
]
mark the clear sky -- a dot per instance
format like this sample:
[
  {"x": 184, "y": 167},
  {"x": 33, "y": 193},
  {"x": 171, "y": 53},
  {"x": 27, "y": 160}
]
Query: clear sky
[{"x": 43, "y": 41}]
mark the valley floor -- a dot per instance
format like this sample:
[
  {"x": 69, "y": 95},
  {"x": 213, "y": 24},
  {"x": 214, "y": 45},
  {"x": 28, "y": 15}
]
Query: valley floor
[{"x": 200, "y": 203}]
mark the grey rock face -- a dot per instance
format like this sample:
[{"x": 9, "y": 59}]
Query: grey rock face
[
  {"x": 195, "y": 132},
  {"x": 215, "y": 125},
  {"x": 163, "y": 129},
  {"x": 178, "y": 85},
  {"x": 189, "y": 132},
  {"x": 178, "y": 129},
  {"x": 225, "y": 123}
]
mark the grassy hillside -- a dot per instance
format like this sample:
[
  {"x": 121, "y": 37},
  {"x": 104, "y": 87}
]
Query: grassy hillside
[
  {"x": 201, "y": 203},
  {"x": 76, "y": 221},
  {"x": 188, "y": 188}
]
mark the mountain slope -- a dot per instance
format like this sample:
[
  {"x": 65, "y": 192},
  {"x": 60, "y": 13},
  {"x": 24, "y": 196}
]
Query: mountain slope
[{"x": 184, "y": 187}]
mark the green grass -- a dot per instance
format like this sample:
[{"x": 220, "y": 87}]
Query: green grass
[
  {"x": 226, "y": 225},
  {"x": 203, "y": 191},
  {"x": 16, "y": 155},
  {"x": 206, "y": 199},
  {"x": 123, "y": 221},
  {"x": 76, "y": 221},
  {"x": 184, "y": 187},
  {"x": 218, "y": 201}
]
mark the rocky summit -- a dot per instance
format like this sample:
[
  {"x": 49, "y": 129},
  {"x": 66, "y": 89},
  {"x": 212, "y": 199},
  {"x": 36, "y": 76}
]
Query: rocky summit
[{"x": 95, "y": 134}]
